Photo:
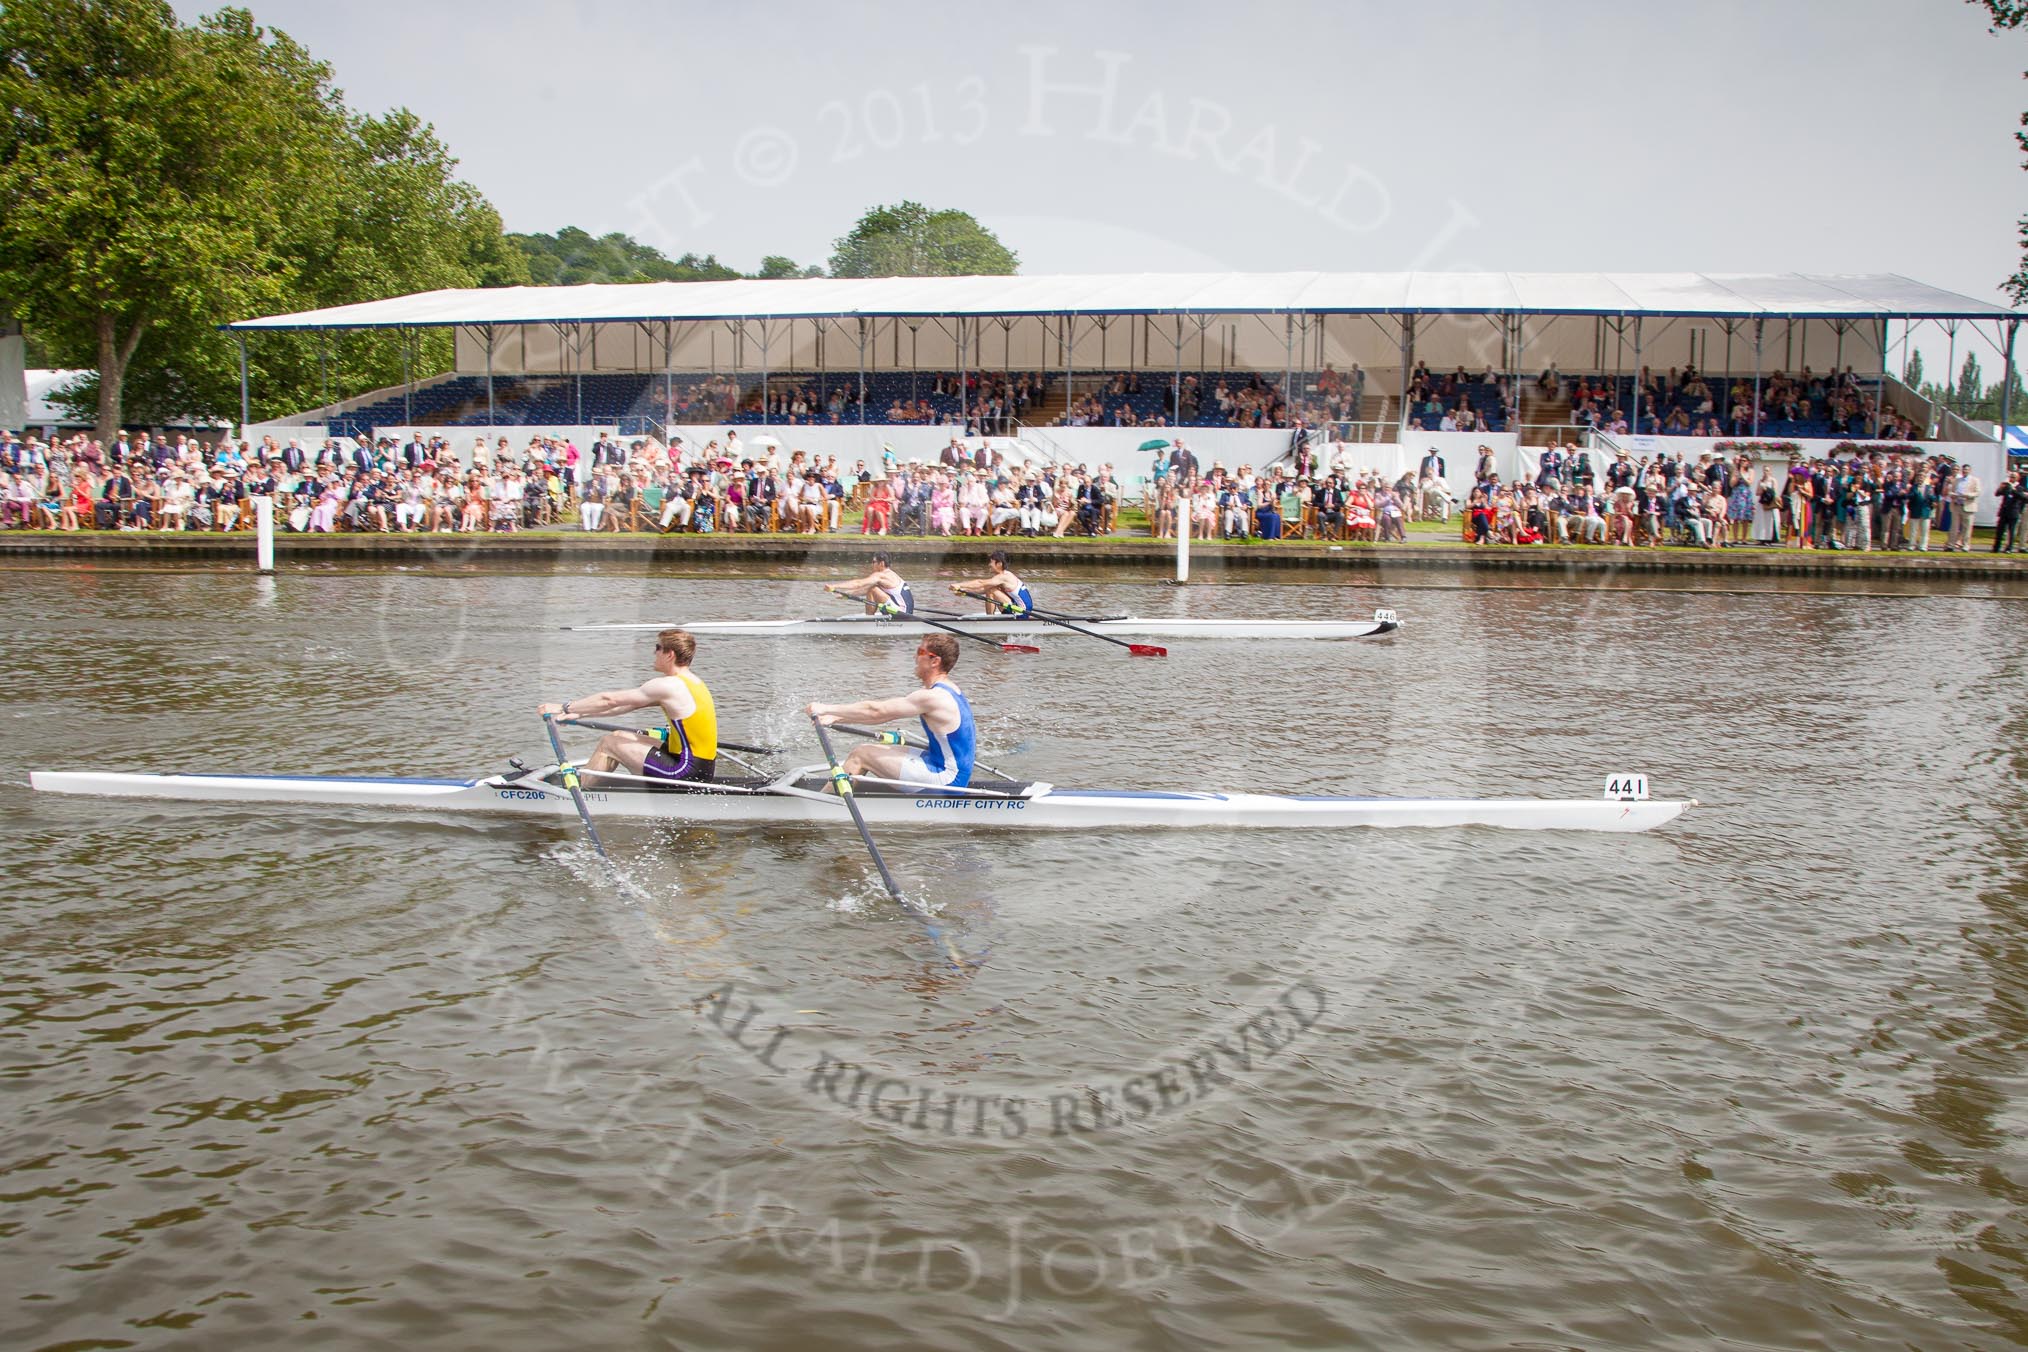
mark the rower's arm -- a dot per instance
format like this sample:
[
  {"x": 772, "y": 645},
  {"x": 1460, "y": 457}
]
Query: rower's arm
[
  {"x": 856, "y": 587},
  {"x": 655, "y": 692},
  {"x": 872, "y": 710}
]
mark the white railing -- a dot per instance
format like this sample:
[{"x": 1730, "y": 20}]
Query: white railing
[{"x": 1377, "y": 431}]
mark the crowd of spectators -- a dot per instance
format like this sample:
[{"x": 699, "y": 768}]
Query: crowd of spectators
[
  {"x": 1686, "y": 402},
  {"x": 1760, "y": 493},
  {"x": 427, "y": 486},
  {"x": 1874, "y": 497},
  {"x": 1298, "y": 497}
]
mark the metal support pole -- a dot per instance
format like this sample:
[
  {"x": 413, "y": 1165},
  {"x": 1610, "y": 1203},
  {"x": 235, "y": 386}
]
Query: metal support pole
[
  {"x": 668, "y": 374},
  {"x": 1634, "y": 423},
  {"x": 1880, "y": 400},
  {"x": 1950, "y": 375},
  {"x": 492, "y": 420},
  {"x": 766, "y": 411},
  {"x": 1759, "y": 328},
  {"x": 1288, "y": 366},
  {"x": 1407, "y": 359},
  {"x": 1176, "y": 388},
  {"x": 407, "y": 383},
  {"x": 245, "y": 403},
  {"x": 862, "y": 370},
  {"x": 1069, "y": 363},
  {"x": 2007, "y": 390}
]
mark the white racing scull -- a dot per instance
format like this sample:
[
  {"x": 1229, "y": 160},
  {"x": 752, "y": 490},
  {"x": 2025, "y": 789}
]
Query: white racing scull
[
  {"x": 1013, "y": 626},
  {"x": 802, "y": 796}
]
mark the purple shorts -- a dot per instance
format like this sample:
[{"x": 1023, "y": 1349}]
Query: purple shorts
[{"x": 659, "y": 764}]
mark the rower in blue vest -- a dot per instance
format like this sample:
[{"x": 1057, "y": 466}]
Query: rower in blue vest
[
  {"x": 1002, "y": 591},
  {"x": 946, "y": 718},
  {"x": 883, "y": 589}
]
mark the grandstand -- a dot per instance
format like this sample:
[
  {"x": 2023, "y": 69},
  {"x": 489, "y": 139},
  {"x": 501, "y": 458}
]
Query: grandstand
[{"x": 1225, "y": 354}]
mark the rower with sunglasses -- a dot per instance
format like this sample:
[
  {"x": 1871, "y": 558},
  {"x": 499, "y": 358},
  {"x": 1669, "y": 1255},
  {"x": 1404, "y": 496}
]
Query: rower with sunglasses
[
  {"x": 687, "y": 748},
  {"x": 951, "y": 742}
]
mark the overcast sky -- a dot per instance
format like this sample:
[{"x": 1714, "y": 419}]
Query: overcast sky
[{"x": 1857, "y": 136}]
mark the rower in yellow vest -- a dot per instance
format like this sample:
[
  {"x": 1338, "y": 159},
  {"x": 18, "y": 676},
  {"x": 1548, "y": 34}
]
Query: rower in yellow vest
[{"x": 687, "y": 748}]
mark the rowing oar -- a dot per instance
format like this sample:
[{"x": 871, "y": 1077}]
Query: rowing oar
[
  {"x": 1136, "y": 649},
  {"x": 842, "y": 782},
  {"x": 896, "y": 613},
  {"x": 576, "y": 791},
  {"x": 569, "y": 773},
  {"x": 896, "y": 737},
  {"x": 604, "y": 726}
]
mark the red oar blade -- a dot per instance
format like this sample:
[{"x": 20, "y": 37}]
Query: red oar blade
[
  {"x": 1019, "y": 648},
  {"x": 1146, "y": 650}
]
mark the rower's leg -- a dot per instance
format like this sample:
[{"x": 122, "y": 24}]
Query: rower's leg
[
  {"x": 876, "y": 597},
  {"x": 620, "y": 750},
  {"x": 870, "y": 758}
]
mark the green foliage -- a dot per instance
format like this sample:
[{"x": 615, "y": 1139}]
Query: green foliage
[
  {"x": 2007, "y": 15},
  {"x": 1969, "y": 387},
  {"x": 572, "y": 256},
  {"x": 1911, "y": 374},
  {"x": 775, "y": 267},
  {"x": 164, "y": 178},
  {"x": 910, "y": 240}
]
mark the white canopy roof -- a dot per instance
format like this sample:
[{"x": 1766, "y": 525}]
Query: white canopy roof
[{"x": 1791, "y": 295}]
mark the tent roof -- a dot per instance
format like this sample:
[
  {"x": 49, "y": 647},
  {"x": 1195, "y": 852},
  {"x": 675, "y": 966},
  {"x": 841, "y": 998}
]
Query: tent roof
[{"x": 1785, "y": 295}]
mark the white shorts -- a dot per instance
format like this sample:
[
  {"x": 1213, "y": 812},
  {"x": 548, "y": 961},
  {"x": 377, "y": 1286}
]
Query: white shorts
[{"x": 913, "y": 771}]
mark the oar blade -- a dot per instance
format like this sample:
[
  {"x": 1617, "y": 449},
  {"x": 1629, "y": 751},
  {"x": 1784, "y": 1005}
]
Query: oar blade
[
  {"x": 842, "y": 784},
  {"x": 1146, "y": 650},
  {"x": 1019, "y": 648}
]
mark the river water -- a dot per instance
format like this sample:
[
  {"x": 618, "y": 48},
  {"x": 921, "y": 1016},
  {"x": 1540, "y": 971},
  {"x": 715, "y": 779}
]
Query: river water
[{"x": 347, "y": 1077}]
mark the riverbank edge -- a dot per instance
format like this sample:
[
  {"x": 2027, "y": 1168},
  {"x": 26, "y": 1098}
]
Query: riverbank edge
[{"x": 525, "y": 547}]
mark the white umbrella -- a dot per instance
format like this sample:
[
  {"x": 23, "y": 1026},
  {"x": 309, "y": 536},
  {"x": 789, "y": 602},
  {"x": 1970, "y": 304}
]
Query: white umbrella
[{"x": 766, "y": 441}]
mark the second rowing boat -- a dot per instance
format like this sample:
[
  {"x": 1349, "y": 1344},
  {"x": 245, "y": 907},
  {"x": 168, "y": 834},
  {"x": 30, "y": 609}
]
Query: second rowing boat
[{"x": 1010, "y": 626}]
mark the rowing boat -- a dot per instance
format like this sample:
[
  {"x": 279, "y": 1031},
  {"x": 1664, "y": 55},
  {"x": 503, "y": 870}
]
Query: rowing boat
[
  {"x": 1012, "y": 626},
  {"x": 801, "y": 796}
]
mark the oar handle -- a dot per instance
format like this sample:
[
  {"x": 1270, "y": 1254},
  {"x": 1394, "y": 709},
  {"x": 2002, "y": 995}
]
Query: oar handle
[
  {"x": 891, "y": 736},
  {"x": 604, "y": 726}
]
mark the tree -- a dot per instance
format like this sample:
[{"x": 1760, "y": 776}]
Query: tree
[
  {"x": 775, "y": 267},
  {"x": 2008, "y": 15},
  {"x": 910, "y": 240},
  {"x": 1970, "y": 388},
  {"x": 1911, "y": 374},
  {"x": 163, "y": 179},
  {"x": 572, "y": 256}
]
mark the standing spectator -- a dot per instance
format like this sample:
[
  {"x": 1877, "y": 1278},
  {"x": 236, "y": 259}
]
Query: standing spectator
[
  {"x": 2013, "y": 495},
  {"x": 1858, "y": 515},
  {"x": 1963, "y": 495}
]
